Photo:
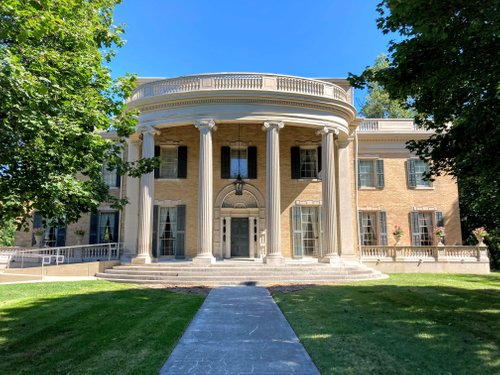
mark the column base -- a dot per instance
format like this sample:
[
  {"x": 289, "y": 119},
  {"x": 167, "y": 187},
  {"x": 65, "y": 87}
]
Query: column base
[
  {"x": 274, "y": 260},
  {"x": 334, "y": 260},
  {"x": 204, "y": 259},
  {"x": 141, "y": 259}
]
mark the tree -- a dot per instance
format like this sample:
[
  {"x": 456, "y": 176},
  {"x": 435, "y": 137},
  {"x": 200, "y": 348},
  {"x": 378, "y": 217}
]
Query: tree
[
  {"x": 377, "y": 103},
  {"x": 447, "y": 68},
  {"x": 56, "y": 97}
]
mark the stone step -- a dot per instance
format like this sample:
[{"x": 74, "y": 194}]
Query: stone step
[
  {"x": 284, "y": 269},
  {"x": 202, "y": 278},
  {"x": 237, "y": 273}
]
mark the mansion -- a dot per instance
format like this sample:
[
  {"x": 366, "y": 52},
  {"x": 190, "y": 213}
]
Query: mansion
[{"x": 272, "y": 168}]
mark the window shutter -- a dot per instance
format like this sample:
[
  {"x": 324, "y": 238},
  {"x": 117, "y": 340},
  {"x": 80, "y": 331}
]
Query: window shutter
[
  {"x": 182, "y": 162},
  {"x": 37, "y": 223},
  {"x": 438, "y": 217},
  {"x": 297, "y": 232},
  {"x": 412, "y": 179},
  {"x": 154, "y": 242},
  {"x": 118, "y": 178},
  {"x": 380, "y": 173},
  {"x": 181, "y": 230},
  {"x": 61, "y": 236},
  {"x": 94, "y": 228},
  {"x": 382, "y": 228},
  {"x": 295, "y": 154},
  {"x": 360, "y": 229},
  {"x": 320, "y": 220},
  {"x": 320, "y": 161},
  {"x": 252, "y": 162},
  {"x": 225, "y": 162},
  {"x": 157, "y": 154},
  {"x": 116, "y": 228},
  {"x": 359, "y": 175},
  {"x": 415, "y": 230}
]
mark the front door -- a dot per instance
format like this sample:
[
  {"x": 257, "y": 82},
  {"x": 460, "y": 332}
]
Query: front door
[{"x": 239, "y": 237}]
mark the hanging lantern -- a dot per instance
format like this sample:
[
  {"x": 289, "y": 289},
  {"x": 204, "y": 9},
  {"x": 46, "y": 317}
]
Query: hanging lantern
[{"x": 238, "y": 185}]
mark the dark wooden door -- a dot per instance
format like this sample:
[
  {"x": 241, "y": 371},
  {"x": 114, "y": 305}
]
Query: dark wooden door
[{"x": 239, "y": 237}]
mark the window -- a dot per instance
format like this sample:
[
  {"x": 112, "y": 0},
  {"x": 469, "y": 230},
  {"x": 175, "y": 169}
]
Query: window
[
  {"x": 416, "y": 170},
  {"x": 52, "y": 236},
  {"x": 107, "y": 225},
  {"x": 307, "y": 238},
  {"x": 306, "y": 162},
  {"x": 373, "y": 228},
  {"x": 173, "y": 161},
  {"x": 371, "y": 173},
  {"x": 168, "y": 162},
  {"x": 422, "y": 226},
  {"x": 239, "y": 162},
  {"x": 104, "y": 226},
  {"x": 111, "y": 177},
  {"x": 168, "y": 231},
  {"x": 238, "y": 159}
]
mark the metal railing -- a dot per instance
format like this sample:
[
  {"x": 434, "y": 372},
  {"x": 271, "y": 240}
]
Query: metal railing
[
  {"x": 22, "y": 258},
  {"x": 425, "y": 253}
]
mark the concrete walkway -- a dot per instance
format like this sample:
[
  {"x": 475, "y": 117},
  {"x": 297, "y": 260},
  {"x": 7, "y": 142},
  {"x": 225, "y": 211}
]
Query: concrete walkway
[{"x": 239, "y": 330}]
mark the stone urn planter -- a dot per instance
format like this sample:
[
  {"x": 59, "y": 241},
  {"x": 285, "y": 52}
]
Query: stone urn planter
[
  {"x": 480, "y": 240},
  {"x": 79, "y": 233},
  {"x": 440, "y": 240},
  {"x": 38, "y": 240},
  {"x": 480, "y": 233}
]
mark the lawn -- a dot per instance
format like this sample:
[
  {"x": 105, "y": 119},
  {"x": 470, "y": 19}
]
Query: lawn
[
  {"x": 91, "y": 327},
  {"x": 408, "y": 324}
]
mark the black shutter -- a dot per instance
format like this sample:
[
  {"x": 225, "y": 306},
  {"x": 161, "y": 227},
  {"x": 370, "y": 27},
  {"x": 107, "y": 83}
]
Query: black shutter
[
  {"x": 382, "y": 228},
  {"x": 181, "y": 231},
  {"x": 117, "y": 226},
  {"x": 225, "y": 162},
  {"x": 61, "y": 236},
  {"x": 415, "y": 230},
  {"x": 118, "y": 178},
  {"x": 157, "y": 154},
  {"x": 438, "y": 217},
  {"x": 37, "y": 224},
  {"x": 320, "y": 157},
  {"x": 252, "y": 162},
  {"x": 154, "y": 242},
  {"x": 295, "y": 154},
  {"x": 380, "y": 173},
  {"x": 182, "y": 155},
  {"x": 410, "y": 170},
  {"x": 94, "y": 228}
]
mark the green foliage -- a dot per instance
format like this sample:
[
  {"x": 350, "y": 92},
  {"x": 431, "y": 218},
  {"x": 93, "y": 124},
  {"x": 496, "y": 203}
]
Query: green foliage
[
  {"x": 7, "y": 230},
  {"x": 407, "y": 324},
  {"x": 448, "y": 63},
  {"x": 377, "y": 103},
  {"x": 57, "y": 97}
]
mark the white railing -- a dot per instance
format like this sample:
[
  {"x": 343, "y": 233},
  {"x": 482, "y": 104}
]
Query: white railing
[
  {"x": 388, "y": 125},
  {"x": 424, "y": 253},
  {"x": 59, "y": 255},
  {"x": 239, "y": 81}
]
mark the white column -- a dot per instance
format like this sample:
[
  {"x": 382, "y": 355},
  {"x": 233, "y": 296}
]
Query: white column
[
  {"x": 146, "y": 199},
  {"x": 205, "y": 194},
  {"x": 273, "y": 196},
  {"x": 330, "y": 251},
  {"x": 345, "y": 203},
  {"x": 132, "y": 208}
]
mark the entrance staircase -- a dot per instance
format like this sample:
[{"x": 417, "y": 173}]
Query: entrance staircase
[{"x": 234, "y": 272}]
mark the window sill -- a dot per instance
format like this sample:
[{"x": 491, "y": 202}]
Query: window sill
[
  {"x": 369, "y": 188},
  {"x": 169, "y": 179},
  {"x": 312, "y": 179},
  {"x": 423, "y": 188}
]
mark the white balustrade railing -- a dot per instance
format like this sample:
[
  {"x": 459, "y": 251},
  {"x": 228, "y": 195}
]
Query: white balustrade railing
[
  {"x": 59, "y": 255},
  {"x": 388, "y": 125},
  {"x": 424, "y": 253},
  {"x": 239, "y": 81}
]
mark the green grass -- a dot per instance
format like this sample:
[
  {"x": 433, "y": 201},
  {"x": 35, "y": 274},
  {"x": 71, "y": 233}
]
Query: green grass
[
  {"x": 92, "y": 327},
  {"x": 408, "y": 324}
]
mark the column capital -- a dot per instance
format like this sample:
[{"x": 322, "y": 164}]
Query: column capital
[
  {"x": 328, "y": 130},
  {"x": 146, "y": 129},
  {"x": 273, "y": 125},
  {"x": 205, "y": 124},
  {"x": 344, "y": 144}
]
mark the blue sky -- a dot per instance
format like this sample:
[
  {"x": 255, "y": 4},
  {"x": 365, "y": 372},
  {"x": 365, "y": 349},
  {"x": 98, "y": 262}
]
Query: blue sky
[{"x": 315, "y": 38}]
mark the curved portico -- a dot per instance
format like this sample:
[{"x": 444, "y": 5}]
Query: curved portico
[{"x": 308, "y": 113}]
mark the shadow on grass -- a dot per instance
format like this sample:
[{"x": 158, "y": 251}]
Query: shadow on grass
[
  {"x": 397, "y": 329},
  {"x": 122, "y": 331}
]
